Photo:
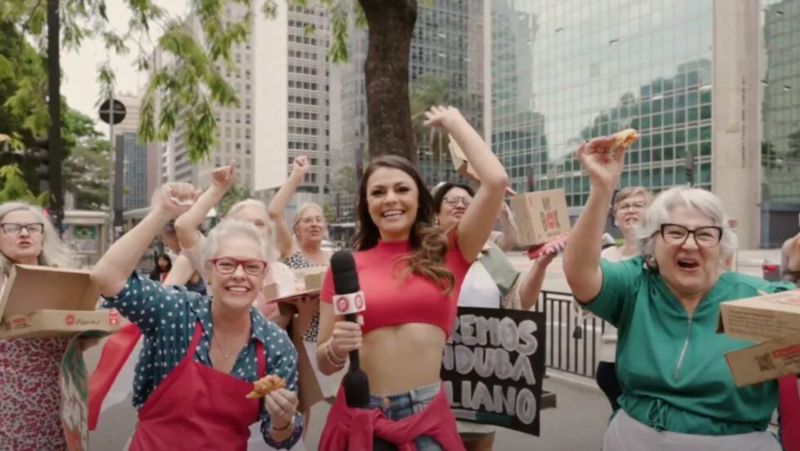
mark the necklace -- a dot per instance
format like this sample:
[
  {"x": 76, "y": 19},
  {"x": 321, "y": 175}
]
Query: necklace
[{"x": 225, "y": 355}]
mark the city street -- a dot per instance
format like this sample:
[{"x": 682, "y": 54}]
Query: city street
[{"x": 577, "y": 423}]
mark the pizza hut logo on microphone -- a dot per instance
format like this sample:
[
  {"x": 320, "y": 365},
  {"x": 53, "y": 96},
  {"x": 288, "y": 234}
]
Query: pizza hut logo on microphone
[
  {"x": 70, "y": 320},
  {"x": 342, "y": 304},
  {"x": 359, "y": 301}
]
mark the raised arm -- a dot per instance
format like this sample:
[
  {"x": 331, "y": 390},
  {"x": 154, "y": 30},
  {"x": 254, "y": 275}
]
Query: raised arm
[
  {"x": 532, "y": 285},
  {"x": 116, "y": 265},
  {"x": 508, "y": 239},
  {"x": 181, "y": 272},
  {"x": 276, "y": 209},
  {"x": 479, "y": 219},
  {"x": 582, "y": 256},
  {"x": 187, "y": 224}
]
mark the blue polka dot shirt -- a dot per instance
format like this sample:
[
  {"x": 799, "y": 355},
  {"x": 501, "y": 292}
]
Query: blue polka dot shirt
[{"x": 167, "y": 317}]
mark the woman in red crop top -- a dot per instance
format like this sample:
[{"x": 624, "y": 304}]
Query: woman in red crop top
[{"x": 410, "y": 273}]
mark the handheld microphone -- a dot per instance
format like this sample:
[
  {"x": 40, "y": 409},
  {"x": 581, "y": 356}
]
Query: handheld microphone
[{"x": 348, "y": 300}]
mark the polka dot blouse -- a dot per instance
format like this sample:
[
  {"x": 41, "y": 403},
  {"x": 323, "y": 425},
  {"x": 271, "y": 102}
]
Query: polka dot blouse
[{"x": 167, "y": 317}]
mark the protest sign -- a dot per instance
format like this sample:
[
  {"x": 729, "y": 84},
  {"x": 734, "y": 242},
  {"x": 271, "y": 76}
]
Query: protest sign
[{"x": 493, "y": 367}]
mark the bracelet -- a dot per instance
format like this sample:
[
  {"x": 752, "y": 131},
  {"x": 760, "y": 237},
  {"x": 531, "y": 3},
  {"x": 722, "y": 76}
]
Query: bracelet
[
  {"x": 331, "y": 356},
  {"x": 288, "y": 425}
]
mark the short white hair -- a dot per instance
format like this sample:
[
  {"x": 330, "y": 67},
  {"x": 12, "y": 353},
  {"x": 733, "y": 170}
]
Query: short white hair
[
  {"x": 660, "y": 210},
  {"x": 54, "y": 252},
  {"x": 272, "y": 252},
  {"x": 228, "y": 228}
]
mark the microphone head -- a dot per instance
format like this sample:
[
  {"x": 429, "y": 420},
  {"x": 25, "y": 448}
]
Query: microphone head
[{"x": 343, "y": 270}]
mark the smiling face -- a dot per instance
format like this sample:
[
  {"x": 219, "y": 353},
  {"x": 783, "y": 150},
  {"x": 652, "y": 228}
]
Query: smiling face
[
  {"x": 21, "y": 237},
  {"x": 392, "y": 201},
  {"x": 687, "y": 251},
  {"x": 237, "y": 271},
  {"x": 628, "y": 212},
  {"x": 454, "y": 205},
  {"x": 310, "y": 226}
]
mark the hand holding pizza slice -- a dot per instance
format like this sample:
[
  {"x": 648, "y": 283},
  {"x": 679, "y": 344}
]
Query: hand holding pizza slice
[
  {"x": 625, "y": 138},
  {"x": 266, "y": 385}
]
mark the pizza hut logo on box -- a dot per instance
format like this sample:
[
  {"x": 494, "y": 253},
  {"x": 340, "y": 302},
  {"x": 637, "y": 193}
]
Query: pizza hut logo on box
[
  {"x": 19, "y": 321},
  {"x": 113, "y": 318},
  {"x": 70, "y": 319}
]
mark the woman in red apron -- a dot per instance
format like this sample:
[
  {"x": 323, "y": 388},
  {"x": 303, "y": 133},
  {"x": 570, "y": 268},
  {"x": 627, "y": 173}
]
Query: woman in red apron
[
  {"x": 202, "y": 353},
  {"x": 30, "y": 416}
]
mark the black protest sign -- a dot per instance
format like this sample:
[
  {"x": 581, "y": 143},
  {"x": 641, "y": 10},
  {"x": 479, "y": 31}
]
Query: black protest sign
[{"x": 493, "y": 367}]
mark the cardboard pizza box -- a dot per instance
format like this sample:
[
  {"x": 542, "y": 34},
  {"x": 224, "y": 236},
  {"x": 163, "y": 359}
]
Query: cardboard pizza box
[
  {"x": 773, "y": 322},
  {"x": 460, "y": 162},
  {"x": 309, "y": 284},
  {"x": 40, "y": 301},
  {"x": 542, "y": 216}
]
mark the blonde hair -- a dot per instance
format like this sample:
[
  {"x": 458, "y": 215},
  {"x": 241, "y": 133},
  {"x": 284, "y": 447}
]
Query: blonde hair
[
  {"x": 300, "y": 212},
  {"x": 271, "y": 253},
  {"x": 54, "y": 252}
]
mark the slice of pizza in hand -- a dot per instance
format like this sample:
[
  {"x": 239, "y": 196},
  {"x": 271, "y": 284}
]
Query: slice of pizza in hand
[
  {"x": 625, "y": 138},
  {"x": 266, "y": 385}
]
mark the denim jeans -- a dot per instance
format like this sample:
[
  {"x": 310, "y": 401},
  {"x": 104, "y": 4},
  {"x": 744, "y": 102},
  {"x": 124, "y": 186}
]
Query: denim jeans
[{"x": 401, "y": 405}]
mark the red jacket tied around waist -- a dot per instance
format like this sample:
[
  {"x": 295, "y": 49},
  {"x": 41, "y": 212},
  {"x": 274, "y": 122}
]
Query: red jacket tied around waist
[{"x": 353, "y": 429}]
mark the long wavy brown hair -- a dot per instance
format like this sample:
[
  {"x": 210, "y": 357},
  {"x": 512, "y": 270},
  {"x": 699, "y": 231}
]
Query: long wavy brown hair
[{"x": 428, "y": 243}]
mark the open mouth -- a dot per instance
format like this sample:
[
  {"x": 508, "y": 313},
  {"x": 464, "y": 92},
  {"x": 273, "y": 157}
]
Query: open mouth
[
  {"x": 688, "y": 264},
  {"x": 392, "y": 214}
]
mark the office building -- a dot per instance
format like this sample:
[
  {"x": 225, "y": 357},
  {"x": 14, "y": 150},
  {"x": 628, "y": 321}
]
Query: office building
[
  {"x": 291, "y": 100},
  {"x": 135, "y": 190},
  {"x": 234, "y": 124},
  {"x": 565, "y": 71},
  {"x": 450, "y": 41},
  {"x": 780, "y": 119}
]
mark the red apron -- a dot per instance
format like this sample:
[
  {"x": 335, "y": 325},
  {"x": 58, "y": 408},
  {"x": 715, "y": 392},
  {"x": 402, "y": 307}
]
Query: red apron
[
  {"x": 789, "y": 409},
  {"x": 196, "y": 408},
  {"x": 115, "y": 353}
]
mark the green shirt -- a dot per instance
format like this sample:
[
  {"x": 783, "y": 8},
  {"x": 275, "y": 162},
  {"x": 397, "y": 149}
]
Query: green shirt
[{"x": 671, "y": 366}]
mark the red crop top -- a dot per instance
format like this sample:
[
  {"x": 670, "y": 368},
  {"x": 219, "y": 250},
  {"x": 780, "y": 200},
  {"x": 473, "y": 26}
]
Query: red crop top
[{"x": 392, "y": 299}]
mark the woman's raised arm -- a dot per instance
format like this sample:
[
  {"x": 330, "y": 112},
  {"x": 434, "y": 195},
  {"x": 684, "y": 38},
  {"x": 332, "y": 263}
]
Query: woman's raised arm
[
  {"x": 117, "y": 264},
  {"x": 187, "y": 224},
  {"x": 479, "y": 219},
  {"x": 283, "y": 236}
]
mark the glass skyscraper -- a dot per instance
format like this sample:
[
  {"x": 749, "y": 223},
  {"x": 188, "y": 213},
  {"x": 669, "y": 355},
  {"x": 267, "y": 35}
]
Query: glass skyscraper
[
  {"x": 135, "y": 175},
  {"x": 564, "y": 71}
]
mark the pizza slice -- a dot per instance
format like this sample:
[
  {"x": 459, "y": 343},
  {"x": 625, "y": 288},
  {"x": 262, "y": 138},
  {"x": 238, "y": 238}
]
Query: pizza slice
[
  {"x": 625, "y": 138},
  {"x": 266, "y": 385}
]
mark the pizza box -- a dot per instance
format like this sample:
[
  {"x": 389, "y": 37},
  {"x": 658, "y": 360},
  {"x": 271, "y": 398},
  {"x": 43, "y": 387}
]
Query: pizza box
[
  {"x": 310, "y": 284},
  {"x": 542, "y": 217},
  {"x": 773, "y": 322},
  {"x": 41, "y": 301}
]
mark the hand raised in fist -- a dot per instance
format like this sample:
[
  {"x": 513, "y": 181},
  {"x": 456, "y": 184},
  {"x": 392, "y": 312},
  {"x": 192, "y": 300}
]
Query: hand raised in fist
[
  {"x": 301, "y": 165},
  {"x": 223, "y": 177},
  {"x": 175, "y": 198}
]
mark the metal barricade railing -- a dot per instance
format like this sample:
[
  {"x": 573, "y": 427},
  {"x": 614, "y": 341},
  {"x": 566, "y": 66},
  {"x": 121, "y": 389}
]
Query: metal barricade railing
[{"x": 565, "y": 350}]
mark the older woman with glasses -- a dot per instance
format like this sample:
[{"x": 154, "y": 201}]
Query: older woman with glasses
[
  {"x": 677, "y": 392},
  {"x": 30, "y": 415},
  {"x": 212, "y": 348}
]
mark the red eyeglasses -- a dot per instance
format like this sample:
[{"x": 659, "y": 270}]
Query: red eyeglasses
[{"x": 227, "y": 265}]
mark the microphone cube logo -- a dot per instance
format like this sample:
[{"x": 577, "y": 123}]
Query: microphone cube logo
[
  {"x": 342, "y": 306},
  {"x": 359, "y": 301}
]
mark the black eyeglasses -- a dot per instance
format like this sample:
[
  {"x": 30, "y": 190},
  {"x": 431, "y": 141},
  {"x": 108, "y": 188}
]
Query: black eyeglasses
[
  {"x": 454, "y": 200},
  {"x": 228, "y": 265},
  {"x": 677, "y": 235},
  {"x": 15, "y": 229}
]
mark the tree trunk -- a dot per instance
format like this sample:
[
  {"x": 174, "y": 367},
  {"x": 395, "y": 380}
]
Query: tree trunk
[{"x": 391, "y": 26}]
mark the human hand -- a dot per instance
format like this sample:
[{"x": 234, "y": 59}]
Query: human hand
[
  {"x": 174, "y": 199},
  {"x": 441, "y": 116},
  {"x": 550, "y": 252},
  {"x": 301, "y": 165},
  {"x": 223, "y": 177},
  {"x": 602, "y": 163},
  {"x": 281, "y": 406},
  {"x": 346, "y": 337},
  {"x": 308, "y": 305}
]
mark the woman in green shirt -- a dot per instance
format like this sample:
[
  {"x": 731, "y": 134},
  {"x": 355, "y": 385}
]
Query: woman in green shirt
[{"x": 677, "y": 391}]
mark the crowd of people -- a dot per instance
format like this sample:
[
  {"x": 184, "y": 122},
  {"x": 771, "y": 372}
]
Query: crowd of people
[{"x": 204, "y": 328}]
